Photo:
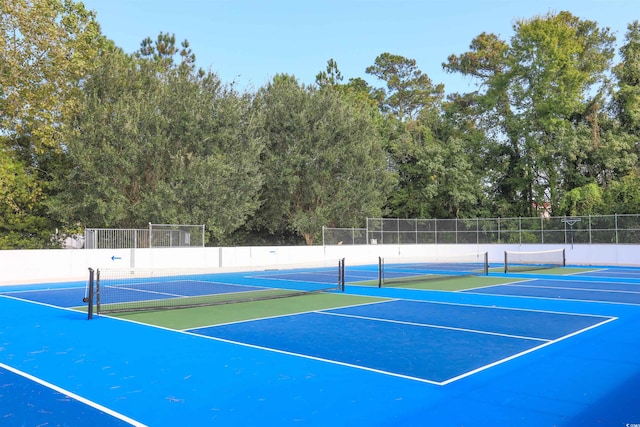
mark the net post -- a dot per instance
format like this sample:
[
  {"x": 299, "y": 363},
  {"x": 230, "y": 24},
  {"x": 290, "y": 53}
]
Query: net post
[
  {"x": 564, "y": 258},
  {"x": 505, "y": 262},
  {"x": 98, "y": 291},
  {"x": 90, "y": 295},
  {"x": 342, "y": 275},
  {"x": 486, "y": 263},
  {"x": 380, "y": 271}
]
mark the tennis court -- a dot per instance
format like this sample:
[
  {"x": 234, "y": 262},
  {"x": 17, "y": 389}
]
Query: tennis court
[
  {"x": 616, "y": 285},
  {"x": 528, "y": 348}
]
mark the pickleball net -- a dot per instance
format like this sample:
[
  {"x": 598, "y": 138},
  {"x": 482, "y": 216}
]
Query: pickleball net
[
  {"x": 395, "y": 271},
  {"x": 133, "y": 290},
  {"x": 533, "y": 260}
]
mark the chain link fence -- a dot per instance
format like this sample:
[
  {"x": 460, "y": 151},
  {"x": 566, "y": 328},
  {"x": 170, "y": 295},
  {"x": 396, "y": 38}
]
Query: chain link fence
[
  {"x": 156, "y": 236},
  {"x": 593, "y": 229},
  {"x": 344, "y": 236}
]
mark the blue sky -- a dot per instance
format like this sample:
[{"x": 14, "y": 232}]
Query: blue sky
[{"x": 250, "y": 41}]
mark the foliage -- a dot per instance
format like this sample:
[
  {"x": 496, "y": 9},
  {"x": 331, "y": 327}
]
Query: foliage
[
  {"x": 543, "y": 103},
  {"x": 22, "y": 224},
  {"x": 408, "y": 89},
  {"x": 627, "y": 99},
  {"x": 46, "y": 47},
  {"x": 582, "y": 201},
  {"x": 159, "y": 143},
  {"x": 92, "y": 136},
  {"x": 323, "y": 160},
  {"x": 623, "y": 196}
]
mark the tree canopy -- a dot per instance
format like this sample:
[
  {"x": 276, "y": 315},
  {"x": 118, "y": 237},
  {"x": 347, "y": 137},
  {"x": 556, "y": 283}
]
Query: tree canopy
[
  {"x": 91, "y": 136},
  {"x": 161, "y": 143},
  {"x": 323, "y": 160}
]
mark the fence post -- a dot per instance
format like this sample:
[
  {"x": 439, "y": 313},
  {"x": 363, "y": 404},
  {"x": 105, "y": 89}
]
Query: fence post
[
  {"x": 477, "y": 231},
  {"x": 520, "y": 229},
  {"x": 457, "y": 230}
]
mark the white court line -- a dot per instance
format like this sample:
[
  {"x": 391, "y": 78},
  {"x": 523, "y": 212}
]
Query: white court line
[
  {"x": 427, "y": 325},
  {"x": 499, "y": 362},
  {"x": 73, "y": 396},
  {"x": 515, "y": 280},
  {"x": 395, "y": 374},
  {"x": 575, "y": 289},
  {"x": 495, "y": 307},
  {"x": 522, "y": 284},
  {"x": 544, "y": 342},
  {"x": 256, "y": 319},
  {"x": 581, "y": 279},
  {"x": 43, "y": 290},
  {"x": 594, "y": 270},
  {"x": 306, "y": 356}
]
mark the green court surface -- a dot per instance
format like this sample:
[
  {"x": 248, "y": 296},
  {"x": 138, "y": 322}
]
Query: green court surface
[
  {"x": 211, "y": 315},
  {"x": 455, "y": 283},
  {"x": 559, "y": 271}
]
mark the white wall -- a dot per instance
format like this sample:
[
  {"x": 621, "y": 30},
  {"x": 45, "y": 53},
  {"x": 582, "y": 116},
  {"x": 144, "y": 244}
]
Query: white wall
[{"x": 41, "y": 266}]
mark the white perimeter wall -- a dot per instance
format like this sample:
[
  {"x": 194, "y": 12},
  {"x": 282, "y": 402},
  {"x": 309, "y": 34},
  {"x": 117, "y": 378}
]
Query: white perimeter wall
[{"x": 42, "y": 266}]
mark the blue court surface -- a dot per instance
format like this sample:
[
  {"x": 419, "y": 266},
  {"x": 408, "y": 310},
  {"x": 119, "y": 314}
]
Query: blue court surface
[{"x": 544, "y": 350}]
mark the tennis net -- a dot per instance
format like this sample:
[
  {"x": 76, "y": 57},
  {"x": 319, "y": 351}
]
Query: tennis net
[
  {"x": 536, "y": 260},
  {"x": 393, "y": 271},
  {"x": 132, "y": 290}
]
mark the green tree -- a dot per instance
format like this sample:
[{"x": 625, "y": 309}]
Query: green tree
[
  {"x": 438, "y": 167},
  {"x": 46, "y": 48},
  {"x": 627, "y": 98},
  {"x": 22, "y": 223},
  {"x": 331, "y": 76},
  {"x": 160, "y": 143},
  {"x": 623, "y": 195},
  {"x": 558, "y": 80},
  {"x": 490, "y": 111},
  {"x": 162, "y": 53},
  {"x": 408, "y": 89},
  {"x": 542, "y": 100},
  {"x": 585, "y": 200},
  {"x": 434, "y": 165},
  {"x": 323, "y": 161}
]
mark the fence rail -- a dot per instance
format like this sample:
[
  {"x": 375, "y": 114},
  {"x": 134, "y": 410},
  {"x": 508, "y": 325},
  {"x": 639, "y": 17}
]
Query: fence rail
[{"x": 601, "y": 229}]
